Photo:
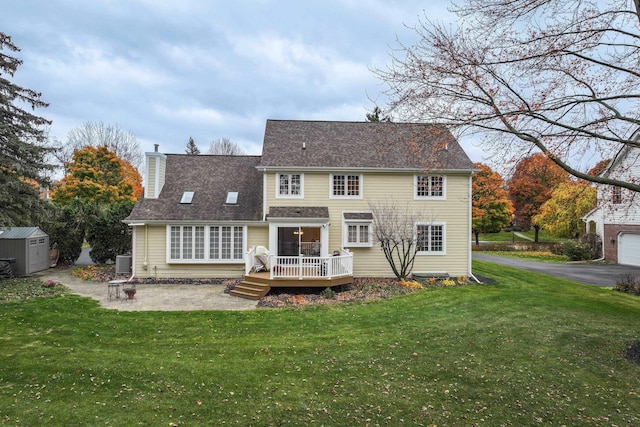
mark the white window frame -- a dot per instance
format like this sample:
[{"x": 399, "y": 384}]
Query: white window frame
[
  {"x": 357, "y": 223},
  {"x": 200, "y": 250},
  {"x": 430, "y": 226},
  {"x": 346, "y": 176},
  {"x": 430, "y": 196},
  {"x": 280, "y": 195}
]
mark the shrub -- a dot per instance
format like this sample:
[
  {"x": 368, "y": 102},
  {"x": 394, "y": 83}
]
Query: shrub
[
  {"x": 575, "y": 251},
  {"x": 629, "y": 284},
  {"x": 411, "y": 284},
  {"x": 328, "y": 293}
]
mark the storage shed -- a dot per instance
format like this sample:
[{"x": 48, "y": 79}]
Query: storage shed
[{"x": 28, "y": 245}]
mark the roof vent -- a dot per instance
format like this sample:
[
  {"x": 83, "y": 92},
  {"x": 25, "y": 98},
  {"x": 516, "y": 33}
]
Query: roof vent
[
  {"x": 232, "y": 198},
  {"x": 187, "y": 197}
]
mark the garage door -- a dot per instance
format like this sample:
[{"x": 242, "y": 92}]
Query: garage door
[{"x": 629, "y": 249}]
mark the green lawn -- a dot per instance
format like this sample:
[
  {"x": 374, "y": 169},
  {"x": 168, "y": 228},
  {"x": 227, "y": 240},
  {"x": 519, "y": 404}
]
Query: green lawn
[
  {"x": 526, "y": 350},
  {"x": 508, "y": 236}
]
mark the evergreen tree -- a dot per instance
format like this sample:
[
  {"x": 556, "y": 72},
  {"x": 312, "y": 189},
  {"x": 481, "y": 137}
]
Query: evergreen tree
[
  {"x": 192, "y": 148},
  {"x": 22, "y": 150}
]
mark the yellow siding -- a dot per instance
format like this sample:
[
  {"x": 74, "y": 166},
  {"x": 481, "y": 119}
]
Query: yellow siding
[
  {"x": 257, "y": 236},
  {"x": 151, "y": 177},
  {"x": 454, "y": 212},
  {"x": 156, "y": 257}
]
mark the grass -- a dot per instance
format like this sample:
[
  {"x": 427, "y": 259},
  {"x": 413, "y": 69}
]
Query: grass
[
  {"x": 508, "y": 236},
  {"x": 526, "y": 350},
  {"x": 540, "y": 256}
]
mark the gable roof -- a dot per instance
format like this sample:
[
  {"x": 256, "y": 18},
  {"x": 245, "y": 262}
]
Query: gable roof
[
  {"x": 210, "y": 178},
  {"x": 363, "y": 145},
  {"x": 20, "y": 232}
]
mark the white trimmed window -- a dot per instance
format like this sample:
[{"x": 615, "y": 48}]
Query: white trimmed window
[
  {"x": 616, "y": 195},
  {"x": 289, "y": 185},
  {"x": 430, "y": 239},
  {"x": 199, "y": 243},
  {"x": 346, "y": 186},
  {"x": 429, "y": 187},
  {"x": 357, "y": 228}
]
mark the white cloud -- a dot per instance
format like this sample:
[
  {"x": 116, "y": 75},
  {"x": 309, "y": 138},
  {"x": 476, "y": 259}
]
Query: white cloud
[
  {"x": 185, "y": 114},
  {"x": 92, "y": 65}
]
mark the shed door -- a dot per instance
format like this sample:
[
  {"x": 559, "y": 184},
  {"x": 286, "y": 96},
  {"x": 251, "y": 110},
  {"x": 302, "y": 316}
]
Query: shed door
[
  {"x": 38, "y": 255},
  {"x": 629, "y": 249}
]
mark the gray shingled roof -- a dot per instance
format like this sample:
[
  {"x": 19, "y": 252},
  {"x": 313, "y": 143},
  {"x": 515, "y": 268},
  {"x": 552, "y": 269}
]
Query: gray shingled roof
[
  {"x": 210, "y": 177},
  {"x": 298, "y": 212},
  {"x": 316, "y": 144}
]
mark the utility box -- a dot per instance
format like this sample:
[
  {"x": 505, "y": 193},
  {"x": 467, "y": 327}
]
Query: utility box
[
  {"x": 28, "y": 245},
  {"x": 123, "y": 264}
]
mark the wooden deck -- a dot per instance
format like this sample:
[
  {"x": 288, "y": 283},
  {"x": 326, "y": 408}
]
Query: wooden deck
[
  {"x": 256, "y": 285},
  {"x": 263, "y": 277}
]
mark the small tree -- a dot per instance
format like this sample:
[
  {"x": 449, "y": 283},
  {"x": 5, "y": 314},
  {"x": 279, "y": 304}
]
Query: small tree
[
  {"x": 66, "y": 227},
  {"x": 192, "y": 148},
  {"x": 224, "y": 146},
  {"x": 375, "y": 116},
  {"x": 491, "y": 206},
  {"x": 393, "y": 229},
  {"x": 562, "y": 214},
  {"x": 531, "y": 185},
  {"x": 108, "y": 235}
]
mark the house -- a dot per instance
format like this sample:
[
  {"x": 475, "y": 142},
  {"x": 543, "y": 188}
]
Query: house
[
  {"x": 616, "y": 219},
  {"x": 307, "y": 199}
]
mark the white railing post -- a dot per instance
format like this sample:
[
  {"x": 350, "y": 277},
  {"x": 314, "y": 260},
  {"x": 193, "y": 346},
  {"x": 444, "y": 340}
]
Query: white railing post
[{"x": 300, "y": 275}]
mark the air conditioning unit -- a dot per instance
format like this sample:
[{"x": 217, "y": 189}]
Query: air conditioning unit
[{"x": 123, "y": 264}]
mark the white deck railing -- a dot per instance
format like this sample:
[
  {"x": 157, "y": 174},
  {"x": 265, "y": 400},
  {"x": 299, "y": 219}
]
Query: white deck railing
[{"x": 305, "y": 267}]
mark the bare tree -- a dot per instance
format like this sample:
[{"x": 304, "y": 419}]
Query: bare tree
[
  {"x": 557, "y": 76},
  {"x": 97, "y": 134},
  {"x": 393, "y": 227},
  {"x": 225, "y": 146}
]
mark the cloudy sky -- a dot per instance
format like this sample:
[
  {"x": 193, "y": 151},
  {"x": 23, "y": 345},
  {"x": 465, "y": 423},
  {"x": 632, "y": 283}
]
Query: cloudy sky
[{"x": 167, "y": 70}]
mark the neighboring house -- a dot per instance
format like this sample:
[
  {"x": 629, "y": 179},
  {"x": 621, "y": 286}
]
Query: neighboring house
[
  {"x": 617, "y": 218},
  {"x": 307, "y": 200}
]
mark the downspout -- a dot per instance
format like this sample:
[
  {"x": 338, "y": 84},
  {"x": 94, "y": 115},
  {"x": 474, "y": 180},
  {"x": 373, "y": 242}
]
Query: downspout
[
  {"x": 264, "y": 194},
  {"x": 470, "y": 210}
]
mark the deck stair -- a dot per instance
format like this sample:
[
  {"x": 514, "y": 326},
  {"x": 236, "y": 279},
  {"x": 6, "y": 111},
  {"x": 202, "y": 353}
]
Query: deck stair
[{"x": 250, "y": 288}]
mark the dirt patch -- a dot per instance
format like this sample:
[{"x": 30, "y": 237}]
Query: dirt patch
[{"x": 632, "y": 353}]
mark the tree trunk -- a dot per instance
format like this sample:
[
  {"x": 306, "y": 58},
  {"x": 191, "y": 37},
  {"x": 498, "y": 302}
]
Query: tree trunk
[{"x": 536, "y": 228}]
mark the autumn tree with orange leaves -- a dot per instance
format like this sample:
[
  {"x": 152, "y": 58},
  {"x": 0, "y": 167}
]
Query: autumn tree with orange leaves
[
  {"x": 532, "y": 184},
  {"x": 97, "y": 176},
  {"x": 491, "y": 206}
]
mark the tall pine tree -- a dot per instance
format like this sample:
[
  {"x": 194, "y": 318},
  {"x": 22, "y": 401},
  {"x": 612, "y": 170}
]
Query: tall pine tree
[{"x": 22, "y": 150}]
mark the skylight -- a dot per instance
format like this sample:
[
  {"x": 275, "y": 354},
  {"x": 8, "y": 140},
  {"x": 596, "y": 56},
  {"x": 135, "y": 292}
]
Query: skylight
[
  {"x": 232, "y": 198},
  {"x": 187, "y": 197}
]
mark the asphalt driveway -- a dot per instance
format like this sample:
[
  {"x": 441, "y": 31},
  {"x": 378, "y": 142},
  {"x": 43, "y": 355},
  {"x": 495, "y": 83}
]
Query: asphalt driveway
[{"x": 604, "y": 275}]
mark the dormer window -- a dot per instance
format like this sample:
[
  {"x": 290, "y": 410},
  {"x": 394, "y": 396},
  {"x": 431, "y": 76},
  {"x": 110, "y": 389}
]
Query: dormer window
[
  {"x": 232, "y": 198},
  {"x": 187, "y": 197}
]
